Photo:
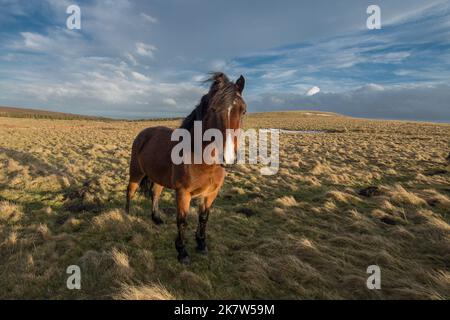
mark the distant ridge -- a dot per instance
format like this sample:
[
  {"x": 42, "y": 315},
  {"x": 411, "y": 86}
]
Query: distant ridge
[{"x": 14, "y": 112}]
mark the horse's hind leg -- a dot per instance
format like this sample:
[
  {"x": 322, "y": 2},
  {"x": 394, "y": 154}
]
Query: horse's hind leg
[
  {"x": 131, "y": 191},
  {"x": 156, "y": 193},
  {"x": 136, "y": 176}
]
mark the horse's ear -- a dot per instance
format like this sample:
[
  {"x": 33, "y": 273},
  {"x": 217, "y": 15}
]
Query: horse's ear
[{"x": 240, "y": 84}]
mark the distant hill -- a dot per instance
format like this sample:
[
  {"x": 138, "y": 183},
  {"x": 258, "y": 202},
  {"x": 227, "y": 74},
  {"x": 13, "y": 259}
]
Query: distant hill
[
  {"x": 14, "y": 112},
  {"x": 297, "y": 113}
]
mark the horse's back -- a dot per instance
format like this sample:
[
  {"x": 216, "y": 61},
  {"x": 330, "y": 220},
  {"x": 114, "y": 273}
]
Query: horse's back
[{"x": 149, "y": 134}]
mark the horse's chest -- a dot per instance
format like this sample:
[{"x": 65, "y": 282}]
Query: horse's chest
[{"x": 204, "y": 187}]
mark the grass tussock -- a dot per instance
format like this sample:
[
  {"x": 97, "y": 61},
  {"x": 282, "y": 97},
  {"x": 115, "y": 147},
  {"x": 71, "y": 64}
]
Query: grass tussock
[
  {"x": 286, "y": 201},
  {"x": 10, "y": 212},
  {"x": 399, "y": 195},
  {"x": 144, "y": 292}
]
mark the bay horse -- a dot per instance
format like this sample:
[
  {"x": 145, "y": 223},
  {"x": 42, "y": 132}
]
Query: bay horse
[{"x": 152, "y": 168}]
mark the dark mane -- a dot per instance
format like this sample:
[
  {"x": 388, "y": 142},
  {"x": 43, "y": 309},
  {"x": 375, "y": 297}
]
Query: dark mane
[{"x": 221, "y": 94}]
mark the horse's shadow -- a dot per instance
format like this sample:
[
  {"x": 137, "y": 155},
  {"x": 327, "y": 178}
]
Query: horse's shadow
[{"x": 37, "y": 167}]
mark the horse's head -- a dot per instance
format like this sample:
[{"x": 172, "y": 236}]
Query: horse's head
[
  {"x": 221, "y": 108},
  {"x": 225, "y": 111}
]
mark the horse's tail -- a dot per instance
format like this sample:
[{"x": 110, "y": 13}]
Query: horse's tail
[{"x": 145, "y": 187}]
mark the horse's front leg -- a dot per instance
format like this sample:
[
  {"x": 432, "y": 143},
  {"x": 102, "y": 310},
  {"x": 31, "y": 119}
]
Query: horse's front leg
[
  {"x": 203, "y": 215},
  {"x": 183, "y": 203}
]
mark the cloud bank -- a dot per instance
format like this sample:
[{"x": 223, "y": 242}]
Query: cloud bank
[{"x": 370, "y": 101}]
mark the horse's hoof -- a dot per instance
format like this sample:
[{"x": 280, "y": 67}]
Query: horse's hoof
[
  {"x": 157, "y": 220},
  {"x": 184, "y": 260}
]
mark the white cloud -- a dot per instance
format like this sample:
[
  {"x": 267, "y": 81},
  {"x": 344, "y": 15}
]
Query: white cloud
[
  {"x": 170, "y": 102},
  {"x": 278, "y": 74},
  {"x": 390, "y": 57},
  {"x": 198, "y": 77},
  {"x": 276, "y": 100},
  {"x": 217, "y": 65},
  {"x": 35, "y": 41},
  {"x": 146, "y": 50},
  {"x": 403, "y": 72},
  {"x": 373, "y": 87},
  {"x": 58, "y": 42},
  {"x": 94, "y": 85},
  {"x": 131, "y": 58},
  {"x": 149, "y": 18},
  {"x": 139, "y": 76},
  {"x": 416, "y": 12},
  {"x": 314, "y": 90}
]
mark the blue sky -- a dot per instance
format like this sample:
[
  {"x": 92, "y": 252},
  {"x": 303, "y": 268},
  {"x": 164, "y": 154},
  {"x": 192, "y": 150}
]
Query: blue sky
[{"x": 139, "y": 59}]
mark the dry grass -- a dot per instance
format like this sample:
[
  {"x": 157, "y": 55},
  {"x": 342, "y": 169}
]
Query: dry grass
[
  {"x": 144, "y": 292},
  {"x": 9, "y": 212},
  {"x": 305, "y": 233},
  {"x": 286, "y": 201}
]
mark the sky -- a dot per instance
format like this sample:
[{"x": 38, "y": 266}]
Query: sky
[{"x": 145, "y": 59}]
